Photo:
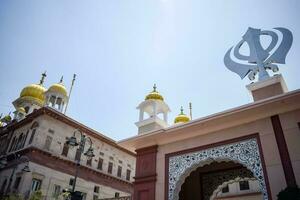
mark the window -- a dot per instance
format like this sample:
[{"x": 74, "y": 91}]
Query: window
[
  {"x": 25, "y": 138},
  {"x": 119, "y": 174},
  {"x": 56, "y": 191},
  {"x": 120, "y": 161},
  {"x": 12, "y": 144},
  {"x": 65, "y": 150},
  {"x": 48, "y": 142},
  {"x": 117, "y": 194},
  {"x": 36, "y": 184},
  {"x": 32, "y": 136},
  {"x": 3, "y": 186},
  {"x": 225, "y": 189},
  {"x": 78, "y": 154},
  {"x": 71, "y": 181},
  {"x": 110, "y": 167},
  {"x": 96, "y": 189},
  {"x": 17, "y": 183},
  {"x": 51, "y": 131},
  {"x": 95, "y": 197},
  {"x": 128, "y": 172},
  {"x": 101, "y": 154},
  {"x": 89, "y": 161},
  {"x": 100, "y": 163},
  {"x": 244, "y": 185}
]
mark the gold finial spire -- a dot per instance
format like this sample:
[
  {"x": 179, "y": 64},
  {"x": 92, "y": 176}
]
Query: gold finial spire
[
  {"x": 181, "y": 110},
  {"x": 43, "y": 78},
  {"x": 154, "y": 87},
  {"x": 61, "y": 79}
]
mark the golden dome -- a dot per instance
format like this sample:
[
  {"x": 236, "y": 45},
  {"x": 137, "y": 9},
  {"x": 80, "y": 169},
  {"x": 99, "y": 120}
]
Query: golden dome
[
  {"x": 154, "y": 95},
  {"x": 59, "y": 88},
  {"x": 181, "y": 117},
  {"x": 34, "y": 92}
]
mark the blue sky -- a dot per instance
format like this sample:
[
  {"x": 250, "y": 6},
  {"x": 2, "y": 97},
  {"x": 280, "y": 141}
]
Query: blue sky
[{"x": 119, "y": 48}]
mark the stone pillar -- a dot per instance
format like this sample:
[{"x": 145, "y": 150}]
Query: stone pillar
[
  {"x": 270, "y": 87},
  {"x": 145, "y": 178}
]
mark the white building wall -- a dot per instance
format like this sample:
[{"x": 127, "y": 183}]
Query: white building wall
[{"x": 58, "y": 132}]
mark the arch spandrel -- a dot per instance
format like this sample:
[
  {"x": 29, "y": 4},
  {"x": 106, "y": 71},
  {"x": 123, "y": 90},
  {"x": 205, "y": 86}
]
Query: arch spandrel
[{"x": 245, "y": 152}]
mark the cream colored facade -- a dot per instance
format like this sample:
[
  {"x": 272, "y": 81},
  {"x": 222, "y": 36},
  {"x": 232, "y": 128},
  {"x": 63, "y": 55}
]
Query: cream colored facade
[
  {"x": 38, "y": 135},
  {"x": 50, "y": 136}
]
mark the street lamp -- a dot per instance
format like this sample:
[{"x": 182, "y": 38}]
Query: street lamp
[
  {"x": 3, "y": 163},
  {"x": 72, "y": 142}
]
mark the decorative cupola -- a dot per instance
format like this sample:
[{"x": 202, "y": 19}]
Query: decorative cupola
[
  {"x": 31, "y": 97},
  {"x": 20, "y": 113},
  {"x": 153, "y": 113},
  {"x": 181, "y": 118},
  {"x": 57, "y": 96}
]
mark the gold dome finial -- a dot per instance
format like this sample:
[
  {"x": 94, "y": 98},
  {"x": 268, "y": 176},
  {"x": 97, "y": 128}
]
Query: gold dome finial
[
  {"x": 35, "y": 92},
  {"x": 61, "y": 79},
  {"x": 44, "y": 75},
  {"x": 181, "y": 110},
  {"x": 181, "y": 117},
  {"x": 154, "y": 95},
  {"x": 154, "y": 87}
]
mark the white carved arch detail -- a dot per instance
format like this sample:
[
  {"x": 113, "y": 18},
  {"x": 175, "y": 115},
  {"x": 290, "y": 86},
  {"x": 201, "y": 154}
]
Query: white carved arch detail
[{"x": 244, "y": 152}]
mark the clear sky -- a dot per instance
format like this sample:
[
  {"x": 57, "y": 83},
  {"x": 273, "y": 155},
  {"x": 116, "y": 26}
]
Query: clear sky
[{"x": 119, "y": 48}]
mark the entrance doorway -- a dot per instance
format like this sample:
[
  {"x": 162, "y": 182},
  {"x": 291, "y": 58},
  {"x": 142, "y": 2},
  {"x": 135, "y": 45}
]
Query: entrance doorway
[{"x": 220, "y": 180}]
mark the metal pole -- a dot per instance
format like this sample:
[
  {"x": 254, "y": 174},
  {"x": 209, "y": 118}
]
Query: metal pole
[
  {"x": 81, "y": 149},
  {"x": 76, "y": 174},
  {"x": 72, "y": 84}
]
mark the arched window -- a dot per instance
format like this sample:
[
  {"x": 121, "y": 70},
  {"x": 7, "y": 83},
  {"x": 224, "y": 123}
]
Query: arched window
[
  {"x": 12, "y": 144},
  {"x": 25, "y": 138},
  {"x": 33, "y": 127},
  {"x": 19, "y": 143}
]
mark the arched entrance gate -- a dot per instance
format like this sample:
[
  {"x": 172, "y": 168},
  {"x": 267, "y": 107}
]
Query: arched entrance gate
[{"x": 245, "y": 152}]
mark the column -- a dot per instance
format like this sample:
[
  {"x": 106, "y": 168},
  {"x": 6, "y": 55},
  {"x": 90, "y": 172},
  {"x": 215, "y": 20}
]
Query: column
[{"x": 145, "y": 175}]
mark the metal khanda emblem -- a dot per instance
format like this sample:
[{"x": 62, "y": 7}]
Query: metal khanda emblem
[{"x": 260, "y": 60}]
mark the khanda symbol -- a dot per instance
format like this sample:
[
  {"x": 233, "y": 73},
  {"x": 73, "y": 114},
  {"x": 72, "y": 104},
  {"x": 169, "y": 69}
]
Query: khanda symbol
[{"x": 259, "y": 58}]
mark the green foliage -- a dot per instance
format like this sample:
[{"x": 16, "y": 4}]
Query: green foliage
[
  {"x": 13, "y": 196},
  {"x": 37, "y": 195},
  {"x": 289, "y": 193}
]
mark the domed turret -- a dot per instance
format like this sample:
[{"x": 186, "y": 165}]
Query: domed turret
[
  {"x": 57, "y": 95},
  {"x": 153, "y": 106},
  {"x": 34, "y": 92},
  {"x": 154, "y": 95},
  {"x": 31, "y": 97},
  {"x": 181, "y": 118}
]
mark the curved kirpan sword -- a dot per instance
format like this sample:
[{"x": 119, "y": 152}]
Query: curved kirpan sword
[{"x": 259, "y": 59}]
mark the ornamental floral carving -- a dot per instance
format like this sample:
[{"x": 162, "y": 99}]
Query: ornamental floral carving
[{"x": 244, "y": 152}]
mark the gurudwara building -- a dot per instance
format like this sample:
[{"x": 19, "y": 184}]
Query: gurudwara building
[
  {"x": 36, "y": 154},
  {"x": 248, "y": 152}
]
